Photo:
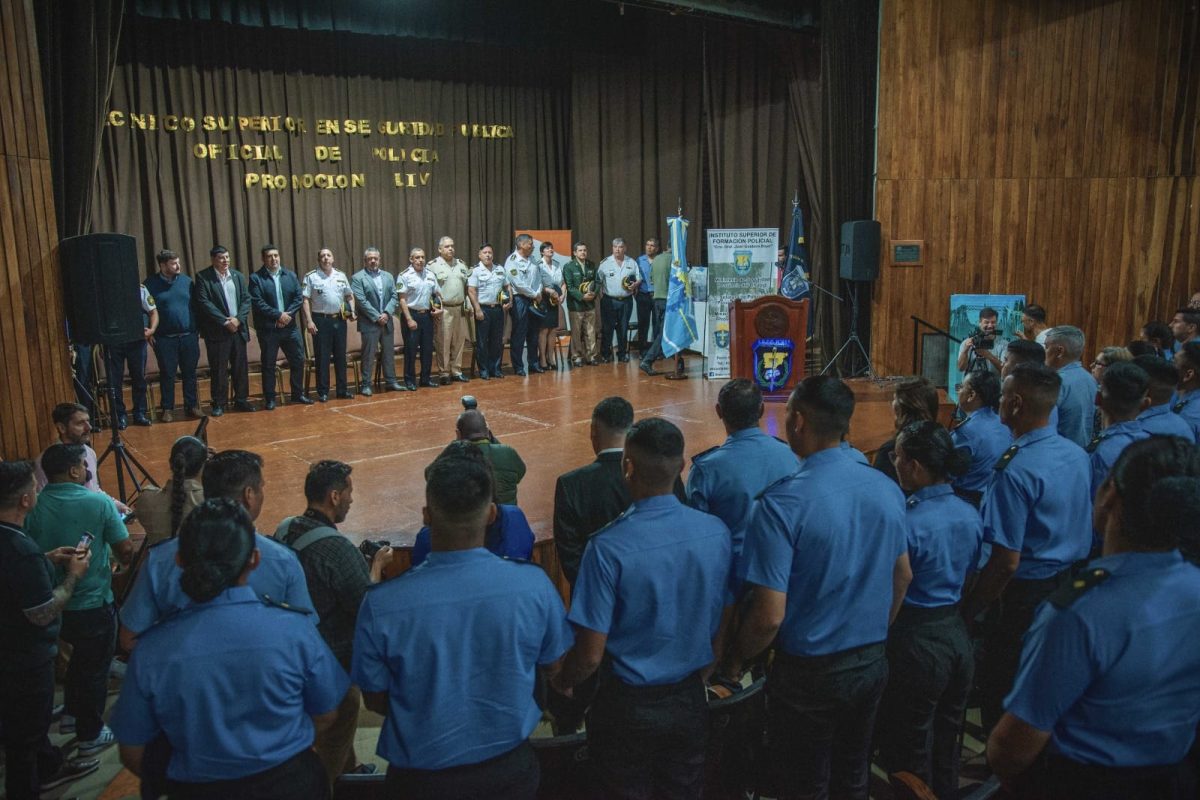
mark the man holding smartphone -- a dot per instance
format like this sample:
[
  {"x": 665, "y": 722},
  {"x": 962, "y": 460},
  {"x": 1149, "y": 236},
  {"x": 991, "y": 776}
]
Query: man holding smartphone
[
  {"x": 66, "y": 511},
  {"x": 30, "y": 613}
]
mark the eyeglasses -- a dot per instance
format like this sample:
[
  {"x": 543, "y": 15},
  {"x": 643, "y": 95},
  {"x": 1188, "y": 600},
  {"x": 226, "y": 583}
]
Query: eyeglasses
[{"x": 1099, "y": 363}]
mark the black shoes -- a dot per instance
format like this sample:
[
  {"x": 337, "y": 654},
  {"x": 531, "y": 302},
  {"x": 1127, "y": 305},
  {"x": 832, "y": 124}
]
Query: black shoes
[
  {"x": 347, "y": 395},
  {"x": 216, "y": 411},
  {"x": 538, "y": 369},
  {"x": 244, "y": 405},
  {"x": 122, "y": 422},
  {"x": 323, "y": 397},
  {"x": 71, "y": 771},
  {"x": 302, "y": 399},
  {"x": 409, "y": 387},
  {"x": 142, "y": 420},
  {"x": 648, "y": 369},
  {"x": 269, "y": 405},
  {"x": 625, "y": 359},
  {"x": 396, "y": 386},
  {"x": 458, "y": 377},
  {"x": 427, "y": 384},
  {"x": 366, "y": 391}
]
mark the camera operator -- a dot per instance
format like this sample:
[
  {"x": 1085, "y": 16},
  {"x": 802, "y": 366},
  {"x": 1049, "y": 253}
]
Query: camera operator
[
  {"x": 984, "y": 348},
  {"x": 338, "y": 577}
]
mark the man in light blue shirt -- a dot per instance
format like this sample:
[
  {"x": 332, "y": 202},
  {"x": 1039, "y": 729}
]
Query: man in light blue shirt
[
  {"x": 1077, "y": 395},
  {"x": 644, "y": 298},
  {"x": 1037, "y": 517},
  {"x": 1186, "y": 402},
  {"x": 827, "y": 566},
  {"x": 981, "y": 434},
  {"x": 1158, "y": 419},
  {"x": 458, "y": 707},
  {"x": 647, "y": 605}
]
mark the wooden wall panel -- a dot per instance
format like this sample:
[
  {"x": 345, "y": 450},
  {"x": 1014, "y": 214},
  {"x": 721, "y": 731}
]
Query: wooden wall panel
[
  {"x": 34, "y": 368},
  {"x": 1037, "y": 147}
]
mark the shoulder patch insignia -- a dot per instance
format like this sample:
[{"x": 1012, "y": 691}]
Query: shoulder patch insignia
[
  {"x": 1094, "y": 443},
  {"x": 773, "y": 485},
  {"x": 1007, "y": 458},
  {"x": 1079, "y": 585},
  {"x": 624, "y": 514},
  {"x": 266, "y": 598}
]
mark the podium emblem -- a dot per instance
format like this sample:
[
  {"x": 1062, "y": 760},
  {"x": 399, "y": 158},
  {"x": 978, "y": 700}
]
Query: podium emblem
[{"x": 772, "y": 363}]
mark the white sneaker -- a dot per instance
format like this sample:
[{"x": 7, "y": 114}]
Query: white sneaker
[
  {"x": 104, "y": 740},
  {"x": 66, "y": 724}
]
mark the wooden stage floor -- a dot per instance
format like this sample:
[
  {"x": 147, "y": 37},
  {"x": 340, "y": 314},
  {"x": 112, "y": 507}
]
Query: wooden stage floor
[{"x": 390, "y": 437}]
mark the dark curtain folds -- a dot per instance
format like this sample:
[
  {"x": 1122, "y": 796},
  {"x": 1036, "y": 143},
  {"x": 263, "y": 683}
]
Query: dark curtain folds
[{"x": 78, "y": 42}]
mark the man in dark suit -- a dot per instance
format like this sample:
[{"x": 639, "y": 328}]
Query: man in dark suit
[
  {"x": 222, "y": 304},
  {"x": 588, "y": 498},
  {"x": 276, "y": 300}
]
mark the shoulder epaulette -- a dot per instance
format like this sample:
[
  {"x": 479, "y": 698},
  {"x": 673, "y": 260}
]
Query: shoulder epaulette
[
  {"x": 1094, "y": 443},
  {"x": 165, "y": 618},
  {"x": 1086, "y": 580},
  {"x": 1007, "y": 458},
  {"x": 781, "y": 441},
  {"x": 771, "y": 486},
  {"x": 615, "y": 520},
  {"x": 703, "y": 453},
  {"x": 266, "y": 598},
  {"x": 1179, "y": 406}
]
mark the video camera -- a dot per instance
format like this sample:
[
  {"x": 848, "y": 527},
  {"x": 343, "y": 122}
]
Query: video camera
[{"x": 984, "y": 341}]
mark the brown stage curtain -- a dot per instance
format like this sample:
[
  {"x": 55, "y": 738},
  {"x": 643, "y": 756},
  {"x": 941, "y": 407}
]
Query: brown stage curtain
[
  {"x": 151, "y": 185},
  {"x": 637, "y": 138},
  {"x": 77, "y": 41}
]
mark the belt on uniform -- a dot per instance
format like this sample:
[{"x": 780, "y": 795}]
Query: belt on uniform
[
  {"x": 452, "y": 305},
  {"x": 490, "y": 305},
  {"x": 419, "y": 310},
  {"x": 320, "y": 314}
]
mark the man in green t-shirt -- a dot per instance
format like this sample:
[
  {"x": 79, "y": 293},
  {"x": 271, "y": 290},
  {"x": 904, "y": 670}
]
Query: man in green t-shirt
[
  {"x": 507, "y": 467},
  {"x": 64, "y": 512},
  {"x": 579, "y": 274}
]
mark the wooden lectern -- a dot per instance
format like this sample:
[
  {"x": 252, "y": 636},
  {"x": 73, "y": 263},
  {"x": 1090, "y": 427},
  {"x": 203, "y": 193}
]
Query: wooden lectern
[{"x": 767, "y": 340}]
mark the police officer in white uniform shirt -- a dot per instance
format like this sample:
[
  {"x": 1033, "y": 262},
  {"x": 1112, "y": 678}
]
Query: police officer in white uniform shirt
[
  {"x": 417, "y": 288},
  {"x": 618, "y": 276},
  {"x": 328, "y": 302},
  {"x": 490, "y": 294},
  {"x": 525, "y": 276}
]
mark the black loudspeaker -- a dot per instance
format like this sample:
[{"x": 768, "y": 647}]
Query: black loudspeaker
[
  {"x": 860, "y": 250},
  {"x": 101, "y": 283}
]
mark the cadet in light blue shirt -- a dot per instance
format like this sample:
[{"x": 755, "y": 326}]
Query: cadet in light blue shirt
[
  {"x": 233, "y": 682},
  {"x": 1108, "y": 691},
  {"x": 1037, "y": 515},
  {"x": 448, "y": 652},
  {"x": 1186, "y": 402},
  {"x": 981, "y": 434},
  {"x": 235, "y": 475},
  {"x": 725, "y": 480},
  {"x": 1158, "y": 419},
  {"x": 649, "y": 599},
  {"x": 930, "y": 659},
  {"x": 1077, "y": 393},
  {"x": 825, "y": 554},
  {"x": 1122, "y": 398}
]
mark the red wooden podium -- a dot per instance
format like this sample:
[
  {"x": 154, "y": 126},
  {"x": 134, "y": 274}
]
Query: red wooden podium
[{"x": 767, "y": 338}]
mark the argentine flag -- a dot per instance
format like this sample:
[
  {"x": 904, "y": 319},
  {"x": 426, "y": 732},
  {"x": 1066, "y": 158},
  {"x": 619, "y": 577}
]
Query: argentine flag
[{"x": 679, "y": 327}]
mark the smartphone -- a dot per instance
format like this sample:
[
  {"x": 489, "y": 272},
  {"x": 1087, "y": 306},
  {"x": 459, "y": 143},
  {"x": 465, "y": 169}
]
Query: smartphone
[{"x": 85, "y": 542}]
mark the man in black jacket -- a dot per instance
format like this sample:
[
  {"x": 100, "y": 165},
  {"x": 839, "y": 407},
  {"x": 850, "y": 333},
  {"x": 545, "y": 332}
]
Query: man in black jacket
[
  {"x": 276, "y": 300},
  {"x": 588, "y": 498},
  {"x": 221, "y": 298}
]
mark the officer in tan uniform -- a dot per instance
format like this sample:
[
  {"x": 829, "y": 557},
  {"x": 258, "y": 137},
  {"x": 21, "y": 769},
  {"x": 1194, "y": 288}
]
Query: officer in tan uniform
[{"x": 457, "y": 320}]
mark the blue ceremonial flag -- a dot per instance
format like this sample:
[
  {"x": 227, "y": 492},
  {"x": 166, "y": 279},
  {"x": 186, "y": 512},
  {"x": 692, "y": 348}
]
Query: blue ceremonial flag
[
  {"x": 794, "y": 284},
  {"x": 679, "y": 327}
]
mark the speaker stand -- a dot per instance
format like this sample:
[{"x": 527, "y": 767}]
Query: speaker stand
[
  {"x": 852, "y": 343},
  {"x": 680, "y": 373},
  {"x": 126, "y": 463}
]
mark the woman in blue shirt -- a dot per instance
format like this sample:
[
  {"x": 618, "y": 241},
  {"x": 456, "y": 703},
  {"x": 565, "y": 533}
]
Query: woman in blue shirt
[
  {"x": 237, "y": 684},
  {"x": 930, "y": 661}
]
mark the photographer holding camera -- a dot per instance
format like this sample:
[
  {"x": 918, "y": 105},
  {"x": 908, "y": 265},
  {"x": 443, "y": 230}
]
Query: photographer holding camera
[{"x": 984, "y": 348}]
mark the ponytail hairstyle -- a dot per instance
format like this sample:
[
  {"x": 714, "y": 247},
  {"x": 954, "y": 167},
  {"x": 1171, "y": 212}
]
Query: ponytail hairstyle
[
  {"x": 216, "y": 543},
  {"x": 1158, "y": 481},
  {"x": 930, "y": 445},
  {"x": 188, "y": 455}
]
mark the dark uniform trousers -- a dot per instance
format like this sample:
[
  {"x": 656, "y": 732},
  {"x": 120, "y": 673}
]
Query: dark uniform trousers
[
  {"x": 26, "y": 702},
  {"x": 648, "y": 741},
  {"x": 930, "y": 666},
  {"x": 614, "y": 317},
  {"x": 92, "y": 634},
  {"x": 645, "y": 309},
  {"x": 1001, "y": 653},
  {"x": 301, "y": 776},
  {"x": 514, "y": 775},
  {"x": 227, "y": 356},
  {"x": 115, "y": 358},
  {"x": 422, "y": 339},
  {"x": 489, "y": 339},
  {"x": 820, "y": 716},
  {"x": 270, "y": 342},
  {"x": 330, "y": 342},
  {"x": 178, "y": 353},
  {"x": 1056, "y": 777},
  {"x": 655, "y": 351},
  {"x": 523, "y": 338}
]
